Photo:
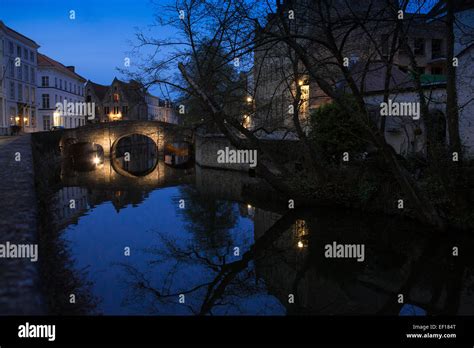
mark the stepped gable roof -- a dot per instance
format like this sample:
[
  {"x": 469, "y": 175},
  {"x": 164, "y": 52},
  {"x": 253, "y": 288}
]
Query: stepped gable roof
[
  {"x": 99, "y": 90},
  {"x": 133, "y": 90}
]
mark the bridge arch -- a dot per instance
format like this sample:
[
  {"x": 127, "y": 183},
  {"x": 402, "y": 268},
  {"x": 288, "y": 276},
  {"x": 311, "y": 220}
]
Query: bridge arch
[
  {"x": 115, "y": 163},
  {"x": 108, "y": 135}
]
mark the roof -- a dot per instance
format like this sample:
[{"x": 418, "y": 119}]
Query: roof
[
  {"x": 133, "y": 90},
  {"x": 459, "y": 5},
  {"x": 99, "y": 90},
  {"x": 47, "y": 62},
  {"x": 17, "y": 35}
]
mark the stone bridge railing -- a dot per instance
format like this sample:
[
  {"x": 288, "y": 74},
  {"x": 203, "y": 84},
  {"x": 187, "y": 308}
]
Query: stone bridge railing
[{"x": 108, "y": 134}]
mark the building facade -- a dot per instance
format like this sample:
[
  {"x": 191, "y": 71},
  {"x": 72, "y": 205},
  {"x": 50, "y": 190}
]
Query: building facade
[
  {"x": 59, "y": 84},
  {"x": 18, "y": 63},
  {"x": 95, "y": 93},
  {"x": 425, "y": 39},
  {"x": 160, "y": 110},
  {"x": 123, "y": 101}
]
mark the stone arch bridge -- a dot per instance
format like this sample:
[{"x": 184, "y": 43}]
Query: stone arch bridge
[{"x": 107, "y": 135}]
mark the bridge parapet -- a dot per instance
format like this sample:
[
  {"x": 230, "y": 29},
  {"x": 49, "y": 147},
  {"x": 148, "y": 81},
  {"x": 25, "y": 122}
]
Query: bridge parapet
[{"x": 108, "y": 134}]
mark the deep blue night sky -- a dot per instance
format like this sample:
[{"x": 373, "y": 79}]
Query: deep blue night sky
[{"x": 96, "y": 42}]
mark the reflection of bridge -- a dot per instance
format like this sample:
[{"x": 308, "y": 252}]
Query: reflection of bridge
[
  {"x": 105, "y": 176},
  {"x": 107, "y": 135}
]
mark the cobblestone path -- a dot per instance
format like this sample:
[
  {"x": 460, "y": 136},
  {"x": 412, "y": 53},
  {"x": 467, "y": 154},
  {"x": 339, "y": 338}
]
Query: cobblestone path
[{"x": 19, "y": 290}]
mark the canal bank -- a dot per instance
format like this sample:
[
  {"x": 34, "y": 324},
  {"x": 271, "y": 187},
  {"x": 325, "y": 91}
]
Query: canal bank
[{"x": 19, "y": 288}]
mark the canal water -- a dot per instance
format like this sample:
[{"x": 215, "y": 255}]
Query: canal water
[{"x": 143, "y": 237}]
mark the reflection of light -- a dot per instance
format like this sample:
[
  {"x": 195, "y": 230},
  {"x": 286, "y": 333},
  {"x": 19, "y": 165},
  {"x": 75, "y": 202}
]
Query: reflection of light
[
  {"x": 249, "y": 99},
  {"x": 96, "y": 160},
  {"x": 250, "y": 210},
  {"x": 246, "y": 122},
  {"x": 301, "y": 82},
  {"x": 301, "y": 234},
  {"x": 25, "y": 119},
  {"x": 17, "y": 119},
  {"x": 117, "y": 116}
]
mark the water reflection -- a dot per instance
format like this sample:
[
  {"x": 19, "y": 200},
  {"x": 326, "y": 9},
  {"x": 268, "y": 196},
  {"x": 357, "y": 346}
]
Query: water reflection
[
  {"x": 84, "y": 157},
  {"x": 136, "y": 154},
  {"x": 204, "y": 234}
]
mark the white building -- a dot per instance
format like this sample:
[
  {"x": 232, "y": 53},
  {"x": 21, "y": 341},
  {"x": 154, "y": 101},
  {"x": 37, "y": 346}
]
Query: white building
[
  {"x": 160, "y": 110},
  {"x": 58, "y": 84},
  {"x": 18, "y": 65}
]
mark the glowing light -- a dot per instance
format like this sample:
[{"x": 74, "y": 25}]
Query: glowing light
[
  {"x": 96, "y": 160},
  {"x": 113, "y": 116},
  {"x": 249, "y": 206},
  {"x": 301, "y": 82},
  {"x": 246, "y": 121},
  {"x": 300, "y": 245},
  {"x": 56, "y": 118},
  {"x": 249, "y": 99},
  {"x": 17, "y": 119}
]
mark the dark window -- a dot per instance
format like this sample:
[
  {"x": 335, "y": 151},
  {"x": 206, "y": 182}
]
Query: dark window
[
  {"x": 436, "y": 48},
  {"x": 45, "y": 81},
  {"x": 11, "y": 68},
  {"x": 403, "y": 46},
  {"x": 436, "y": 70},
  {"x": 45, "y": 98},
  {"x": 419, "y": 47}
]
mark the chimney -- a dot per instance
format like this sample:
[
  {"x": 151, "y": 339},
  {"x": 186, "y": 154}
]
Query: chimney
[{"x": 72, "y": 68}]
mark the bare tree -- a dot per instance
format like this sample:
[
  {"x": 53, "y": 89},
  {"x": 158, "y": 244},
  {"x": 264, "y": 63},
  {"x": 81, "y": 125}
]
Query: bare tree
[{"x": 289, "y": 43}]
